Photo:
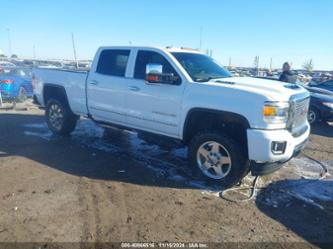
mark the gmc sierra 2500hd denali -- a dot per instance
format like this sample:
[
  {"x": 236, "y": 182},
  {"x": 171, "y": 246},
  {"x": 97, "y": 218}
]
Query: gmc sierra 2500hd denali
[{"x": 231, "y": 125}]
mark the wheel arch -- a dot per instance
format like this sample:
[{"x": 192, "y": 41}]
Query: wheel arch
[
  {"x": 56, "y": 92},
  {"x": 198, "y": 119}
]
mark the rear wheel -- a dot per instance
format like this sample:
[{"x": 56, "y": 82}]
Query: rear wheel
[
  {"x": 217, "y": 159},
  {"x": 59, "y": 118}
]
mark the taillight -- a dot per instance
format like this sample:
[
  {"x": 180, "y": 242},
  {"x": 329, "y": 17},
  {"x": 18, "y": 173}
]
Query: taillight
[{"x": 6, "y": 81}]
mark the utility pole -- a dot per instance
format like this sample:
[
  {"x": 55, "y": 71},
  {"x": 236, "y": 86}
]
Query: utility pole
[
  {"x": 74, "y": 51},
  {"x": 200, "y": 44},
  {"x": 229, "y": 62},
  {"x": 256, "y": 64},
  {"x": 34, "y": 51},
  {"x": 271, "y": 65},
  {"x": 9, "y": 43}
]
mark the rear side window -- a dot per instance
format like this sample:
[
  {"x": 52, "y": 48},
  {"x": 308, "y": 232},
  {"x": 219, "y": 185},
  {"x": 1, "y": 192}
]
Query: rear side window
[
  {"x": 145, "y": 57},
  {"x": 113, "y": 62}
]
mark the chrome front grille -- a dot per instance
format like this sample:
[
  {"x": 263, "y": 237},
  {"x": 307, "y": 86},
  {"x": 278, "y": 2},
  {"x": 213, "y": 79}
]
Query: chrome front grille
[{"x": 298, "y": 115}]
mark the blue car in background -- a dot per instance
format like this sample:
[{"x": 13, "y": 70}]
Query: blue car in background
[{"x": 15, "y": 84}]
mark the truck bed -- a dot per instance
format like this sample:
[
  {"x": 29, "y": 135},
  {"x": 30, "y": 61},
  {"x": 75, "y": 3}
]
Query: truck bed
[{"x": 74, "y": 83}]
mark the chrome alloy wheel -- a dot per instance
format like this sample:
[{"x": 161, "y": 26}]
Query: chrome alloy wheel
[
  {"x": 214, "y": 160},
  {"x": 56, "y": 116},
  {"x": 312, "y": 116}
]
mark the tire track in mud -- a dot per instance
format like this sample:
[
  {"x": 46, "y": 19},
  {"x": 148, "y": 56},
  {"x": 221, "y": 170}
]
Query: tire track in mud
[
  {"x": 89, "y": 213},
  {"x": 123, "y": 207},
  {"x": 96, "y": 212},
  {"x": 115, "y": 209},
  {"x": 103, "y": 211}
]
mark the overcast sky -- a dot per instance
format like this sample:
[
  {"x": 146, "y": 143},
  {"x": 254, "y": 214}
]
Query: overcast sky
[{"x": 283, "y": 30}]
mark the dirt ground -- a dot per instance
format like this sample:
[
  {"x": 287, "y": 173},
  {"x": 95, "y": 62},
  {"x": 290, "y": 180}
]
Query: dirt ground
[{"x": 117, "y": 188}]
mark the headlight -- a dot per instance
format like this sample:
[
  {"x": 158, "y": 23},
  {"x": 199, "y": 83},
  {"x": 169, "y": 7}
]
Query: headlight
[
  {"x": 276, "y": 112},
  {"x": 328, "y": 104}
]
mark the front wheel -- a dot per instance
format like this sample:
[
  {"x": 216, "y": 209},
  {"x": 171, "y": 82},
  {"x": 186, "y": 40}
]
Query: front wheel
[
  {"x": 59, "y": 118},
  {"x": 217, "y": 159},
  {"x": 313, "y": 116}
]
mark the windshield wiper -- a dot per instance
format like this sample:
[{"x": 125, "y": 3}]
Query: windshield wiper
[
  {"x": 200, "y": 80},
  {"x": 208, "y": 79}
]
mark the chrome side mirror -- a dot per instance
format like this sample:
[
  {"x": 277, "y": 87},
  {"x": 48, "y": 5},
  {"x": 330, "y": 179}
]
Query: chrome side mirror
[
  {"x": 154, "y": 74},
  {"x": 153, "y": 68}
]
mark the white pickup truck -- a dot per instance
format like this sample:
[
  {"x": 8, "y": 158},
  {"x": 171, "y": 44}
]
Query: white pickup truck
[{"x": 232, "y": 125}]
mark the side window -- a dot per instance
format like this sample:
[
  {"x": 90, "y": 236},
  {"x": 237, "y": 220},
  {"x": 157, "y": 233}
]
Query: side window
[
  {"x": 113, "y": 62},
  {"x": 145, "y": 57}
]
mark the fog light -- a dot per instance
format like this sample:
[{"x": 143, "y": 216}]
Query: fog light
[{"x": 278, "y": 148}]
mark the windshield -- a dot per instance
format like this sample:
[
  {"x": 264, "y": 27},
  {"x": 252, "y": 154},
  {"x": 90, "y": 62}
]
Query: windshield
[{"x": 201, "y": 67}]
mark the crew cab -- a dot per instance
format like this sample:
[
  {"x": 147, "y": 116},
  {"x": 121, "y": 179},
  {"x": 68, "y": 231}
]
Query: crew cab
[{"x": 231, "y": 125}]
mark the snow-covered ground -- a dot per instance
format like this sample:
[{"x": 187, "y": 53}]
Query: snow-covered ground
[{"x": 304, "y": 184}]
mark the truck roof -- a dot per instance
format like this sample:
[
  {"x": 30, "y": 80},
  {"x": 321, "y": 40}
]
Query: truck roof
[{"x": 168, "y": 48}]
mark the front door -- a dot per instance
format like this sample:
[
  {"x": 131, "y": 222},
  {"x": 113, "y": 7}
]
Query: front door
[{"x": 151, "y": 106}]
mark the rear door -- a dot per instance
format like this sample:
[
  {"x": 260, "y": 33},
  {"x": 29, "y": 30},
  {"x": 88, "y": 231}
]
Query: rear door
[
  {"x": 151, "y": 106},
  {"x": 106, "y": 85}
]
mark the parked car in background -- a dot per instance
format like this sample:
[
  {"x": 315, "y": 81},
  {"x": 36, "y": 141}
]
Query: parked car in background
[
  {"x": 321, "y": 105},
  {"x": 4, "y": 64},
  {"x": 316, "y": 77},
  {"x": 326, "y": 85},
  {"x": 15, "y": 84}
]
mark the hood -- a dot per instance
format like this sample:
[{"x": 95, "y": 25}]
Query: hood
[{"x": 272, "y": 89}]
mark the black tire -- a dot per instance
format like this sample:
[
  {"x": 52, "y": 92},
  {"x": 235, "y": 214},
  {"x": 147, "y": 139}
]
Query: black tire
[
  {"x": 240, "y": 165},
  {"x": 22, "y": 95},
  {"x": 62, "y": 124},
  {"x": 313, "y": 116}
]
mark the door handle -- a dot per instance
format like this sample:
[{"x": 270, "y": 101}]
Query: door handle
[
  {"x": 134, "y": 88},
  {"x": 93, "y": 82}
]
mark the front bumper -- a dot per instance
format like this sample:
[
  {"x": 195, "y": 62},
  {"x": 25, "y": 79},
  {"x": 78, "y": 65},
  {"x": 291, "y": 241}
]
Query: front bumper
[
  {"x": 259, "y": 169},
  {"x": 263, "y": 160}
]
